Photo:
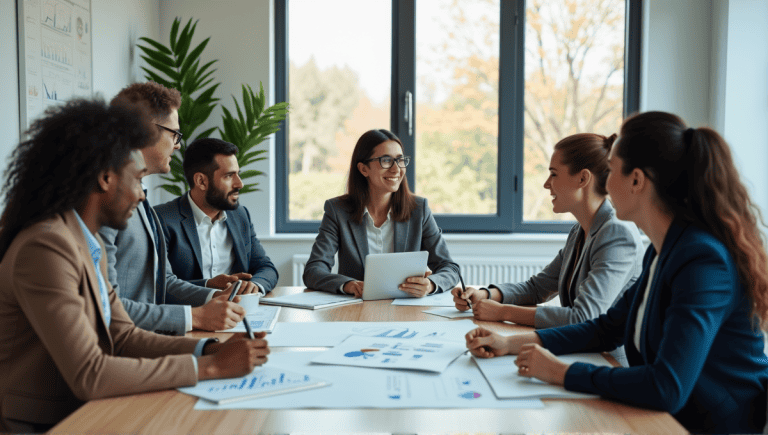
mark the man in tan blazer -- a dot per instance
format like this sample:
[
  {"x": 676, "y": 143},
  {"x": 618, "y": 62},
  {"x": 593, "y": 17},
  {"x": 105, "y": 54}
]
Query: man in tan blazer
[{"x": 64, "y": 335}]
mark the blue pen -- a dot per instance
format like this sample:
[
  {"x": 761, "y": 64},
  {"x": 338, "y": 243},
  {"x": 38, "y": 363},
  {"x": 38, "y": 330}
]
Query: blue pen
[{"x": 248, "y": 328}]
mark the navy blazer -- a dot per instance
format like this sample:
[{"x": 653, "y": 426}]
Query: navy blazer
[
  {"x": 183, "y": 244},
  {"x": 701, "y": 352},
  {"x": 339, "y": 233}
]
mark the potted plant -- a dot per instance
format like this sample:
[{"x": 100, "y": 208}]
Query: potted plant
[{"x": 179, "y": 67}]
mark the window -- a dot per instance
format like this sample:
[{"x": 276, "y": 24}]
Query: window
[{"x": 490, "y": 87}]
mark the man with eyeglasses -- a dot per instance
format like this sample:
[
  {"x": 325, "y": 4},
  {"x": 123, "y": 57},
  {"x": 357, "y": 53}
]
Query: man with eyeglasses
[{"x": 138, "y": 267}]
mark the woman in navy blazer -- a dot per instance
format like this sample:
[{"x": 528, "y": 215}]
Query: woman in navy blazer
[
  {"x": 379, "y": 214},
  {"x": 691, "y": 323}
]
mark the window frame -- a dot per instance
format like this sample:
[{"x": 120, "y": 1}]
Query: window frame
[{"x": 508, "y": 218}]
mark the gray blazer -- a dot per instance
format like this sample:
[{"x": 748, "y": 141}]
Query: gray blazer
[
  {"x": 339, "y": 233},
  {"x": 611, "y": 262},
  {"x": 131, "y": 270}
]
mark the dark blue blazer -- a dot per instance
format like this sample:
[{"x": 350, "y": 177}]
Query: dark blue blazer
[
  {"x": 701, "y": 354},
  {"x": 183, "y": 244}
]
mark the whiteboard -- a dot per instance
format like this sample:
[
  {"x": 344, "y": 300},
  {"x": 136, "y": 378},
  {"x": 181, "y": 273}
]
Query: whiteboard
[{"x": 55, "y": 55}]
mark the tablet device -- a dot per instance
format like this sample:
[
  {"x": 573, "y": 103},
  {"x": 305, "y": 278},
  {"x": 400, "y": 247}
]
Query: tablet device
[{"x": 385, "y": 272}]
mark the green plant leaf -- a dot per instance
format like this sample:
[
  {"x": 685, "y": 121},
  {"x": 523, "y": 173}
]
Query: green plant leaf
[
  {"x": 248, "y": 188},
  {"x": 165, "y": 69},
  {"x": 185, "y": 39},
  {"x": 194, "y": 55},
  {"x": 158, "y": 46},
  {"x": 172, "y": 189},
  {"x": 151, "y": 75},
  {"x": 250, "y": 173},
  {"x": 206, "y": 133},
  {"x": 174, "y": 32},
  {"x": 156, "y": 55}
]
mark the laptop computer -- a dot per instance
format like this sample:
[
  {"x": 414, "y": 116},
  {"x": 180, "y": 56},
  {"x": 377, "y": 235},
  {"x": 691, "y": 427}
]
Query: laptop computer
[{"x": 385, "y": 272}]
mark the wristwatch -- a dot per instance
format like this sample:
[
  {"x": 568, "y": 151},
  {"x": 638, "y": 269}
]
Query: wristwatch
[
  {"x": 209, "y": 341},
  {"x": 489, "y": 292}
]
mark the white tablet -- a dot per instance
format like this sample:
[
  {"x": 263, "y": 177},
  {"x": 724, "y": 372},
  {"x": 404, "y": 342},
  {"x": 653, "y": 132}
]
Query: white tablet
[{"x": 385, "y": 272}]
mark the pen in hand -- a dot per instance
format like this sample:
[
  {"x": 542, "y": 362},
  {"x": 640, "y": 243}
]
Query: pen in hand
[
  {"x": 235, "y": 288},
  {"x": 464, "y": 292},
  {"x": 248, "y": 328}
]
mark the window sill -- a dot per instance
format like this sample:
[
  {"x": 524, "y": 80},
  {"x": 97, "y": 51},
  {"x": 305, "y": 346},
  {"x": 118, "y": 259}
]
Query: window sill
[{"x": 461, "y": 238}]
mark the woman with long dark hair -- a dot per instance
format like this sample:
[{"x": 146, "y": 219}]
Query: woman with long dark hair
[
  {"x": 378, "y": 214},
  {"x": 691, "y": 323}
]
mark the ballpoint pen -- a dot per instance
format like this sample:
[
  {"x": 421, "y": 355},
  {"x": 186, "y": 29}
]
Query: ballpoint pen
[
  {"x": 248, "y": 328},
  {"x": 464, "y": 291},
  {"x": 235, "y": 288}
]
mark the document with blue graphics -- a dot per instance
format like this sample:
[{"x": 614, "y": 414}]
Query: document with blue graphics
[
  {"x": 460, "y": 386},
  {"x": 260, "y": 318},
  {"x": 393, "y": 353},
  {"x": 262, "y": 382}
]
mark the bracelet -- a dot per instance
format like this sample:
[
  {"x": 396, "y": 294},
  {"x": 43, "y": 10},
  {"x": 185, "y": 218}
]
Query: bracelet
[
  {"x": 209, "y": 341},
  {"x": 489, "y": 292}
]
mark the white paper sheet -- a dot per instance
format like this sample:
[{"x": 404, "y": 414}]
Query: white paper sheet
[
  {"x": 260, "y": 317},
  {"x": 444, "y": 299},
  {"x": 326, "y": 334},
  {"x": 460, "y": 386},
  {"x": 262, "y": 382},
  {"x": 393, "y": 353},
  {"x": 501, "y": 373},
  {"x": 451, "y": 313}
]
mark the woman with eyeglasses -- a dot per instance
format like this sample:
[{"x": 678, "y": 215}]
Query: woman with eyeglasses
[
  {"x": 691, "y": 323},
  {"x": 601, "y": 258},
  {"x": 377, "y": 215}
]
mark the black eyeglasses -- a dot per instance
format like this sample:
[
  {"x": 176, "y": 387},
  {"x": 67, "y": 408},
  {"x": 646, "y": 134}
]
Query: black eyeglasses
[
  {"x": 176, "y": 134},
  {"x": 386, "y": 161}
]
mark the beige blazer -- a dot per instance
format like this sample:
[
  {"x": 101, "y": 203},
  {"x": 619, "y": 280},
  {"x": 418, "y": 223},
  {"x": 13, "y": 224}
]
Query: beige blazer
[{"x": 55, "y": 349}]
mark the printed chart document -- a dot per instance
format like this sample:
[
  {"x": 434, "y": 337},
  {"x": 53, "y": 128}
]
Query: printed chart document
[
  {"x": 312, "y": 300},
  {"x": 315, "y": 334},
  {"x": 444, "y": 299},
  {"x": 501, "y": 373},
  {"x": 262, "y": 382},
  {"x": 261, "y": 318},
  {"x": 461, "y": 385},
  {"x": 420, "y": 354},
  {"x": 451, "y": 313}
]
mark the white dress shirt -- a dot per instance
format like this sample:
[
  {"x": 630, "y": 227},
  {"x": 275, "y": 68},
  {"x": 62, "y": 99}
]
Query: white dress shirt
[
  {"x": 641, "y": 309},
  {"x": 216, "y": 244}
]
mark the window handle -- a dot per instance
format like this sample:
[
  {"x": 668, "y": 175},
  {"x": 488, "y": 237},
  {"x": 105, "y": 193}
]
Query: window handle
[{"x": 408, "y": 111}]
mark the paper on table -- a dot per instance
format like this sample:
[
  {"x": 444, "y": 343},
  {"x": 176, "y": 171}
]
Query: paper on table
[
  {"x": 312, "y": 300},
  {"x": 260, "y": 317},
  {"x": 444, "y": 299},
  {"x": 451, "y": 313},
  {"x": 262, "y": 382},
  {"x": 501, "y": 373},
  {"x": 460, "y": 386},
  {"x": 393, "y": 353},
  {"x": 304, "y": 334}
]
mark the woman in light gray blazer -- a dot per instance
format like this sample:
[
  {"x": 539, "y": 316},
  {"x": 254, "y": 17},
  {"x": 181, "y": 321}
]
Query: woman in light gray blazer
[
  {"x": 602, "y": 256},
  {"x": 378, "y": 215}
]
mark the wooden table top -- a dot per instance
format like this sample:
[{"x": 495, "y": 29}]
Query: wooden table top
[{"x": 172, "y": 412}]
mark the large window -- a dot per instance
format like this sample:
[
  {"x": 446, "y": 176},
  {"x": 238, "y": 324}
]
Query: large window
[{"x": 479, "y": 91}]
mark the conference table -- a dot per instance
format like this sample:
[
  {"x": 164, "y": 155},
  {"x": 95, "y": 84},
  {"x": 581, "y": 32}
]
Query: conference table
[{"x": 170, "y": 411}]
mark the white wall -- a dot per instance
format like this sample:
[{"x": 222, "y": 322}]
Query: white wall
[{"x": 745, "y": 123}]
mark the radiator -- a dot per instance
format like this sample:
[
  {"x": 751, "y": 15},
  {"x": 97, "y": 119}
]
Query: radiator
[{"x": 474, "y": 270}]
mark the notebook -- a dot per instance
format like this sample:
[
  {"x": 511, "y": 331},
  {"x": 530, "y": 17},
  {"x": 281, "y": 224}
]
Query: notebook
[
  {"x": 311, "y": 300},
  {"x": 262, "y": 382}
]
